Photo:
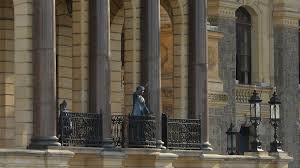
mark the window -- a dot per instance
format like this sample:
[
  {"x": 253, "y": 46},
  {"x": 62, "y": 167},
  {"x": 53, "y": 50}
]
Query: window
[{"x": 243, "y": 46}]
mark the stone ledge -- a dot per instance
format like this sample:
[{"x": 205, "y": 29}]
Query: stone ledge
[
  {"x": 136, "y": 157},
  {"x": 34, "y": 158}
]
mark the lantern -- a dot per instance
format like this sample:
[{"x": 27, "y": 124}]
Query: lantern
[
  {"x": 231, "y": 140},
  {"x": 255, "y": 119}
]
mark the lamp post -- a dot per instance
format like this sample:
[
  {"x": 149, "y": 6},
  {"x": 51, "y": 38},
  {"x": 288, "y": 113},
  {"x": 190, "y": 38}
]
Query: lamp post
[
  {"x": 231, "y": 140},
  {"x": 255, "y": 119},
  {"x": 274, "y": 103}
]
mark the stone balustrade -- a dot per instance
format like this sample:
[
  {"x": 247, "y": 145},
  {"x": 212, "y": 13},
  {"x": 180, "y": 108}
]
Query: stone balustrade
[{"x": 244, "y": 92}]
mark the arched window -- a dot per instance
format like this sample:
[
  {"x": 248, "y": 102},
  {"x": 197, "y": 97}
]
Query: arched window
[{"x": 243, "y": 46}]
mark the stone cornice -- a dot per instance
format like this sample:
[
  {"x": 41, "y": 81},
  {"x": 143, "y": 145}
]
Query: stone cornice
[
  {"x": 222, "y": 8},
  {"x": 286, "y": 16}
]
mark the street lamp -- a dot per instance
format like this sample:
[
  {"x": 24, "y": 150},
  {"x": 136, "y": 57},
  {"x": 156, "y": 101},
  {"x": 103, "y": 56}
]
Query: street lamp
[
  {"x": 255, "y": 119},
  {"x": 231, "y": 140},
  {"x": 274, "y": 103}
]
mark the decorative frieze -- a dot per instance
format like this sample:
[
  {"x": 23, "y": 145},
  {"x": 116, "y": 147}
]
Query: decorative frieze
[
  {"x": 222, "y": 8},
  {"x": 217, "y": 99},
  {"x": 244, "y": 92}
]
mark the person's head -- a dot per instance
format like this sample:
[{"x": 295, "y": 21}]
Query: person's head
[{"x": 140, "y": 90}]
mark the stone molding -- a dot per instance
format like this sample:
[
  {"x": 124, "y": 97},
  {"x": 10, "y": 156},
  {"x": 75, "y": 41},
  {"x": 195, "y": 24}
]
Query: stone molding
[
  {"x": 286, "y": 16},
  {"x": 222, "y": 8},
  {"x": 139, "y": 157},
  {"x": 51, "y": 158},
  {"x": 65, "y": 157},
  {"x": 244, "y": 92},
  {"x": 217, "y": 99}
]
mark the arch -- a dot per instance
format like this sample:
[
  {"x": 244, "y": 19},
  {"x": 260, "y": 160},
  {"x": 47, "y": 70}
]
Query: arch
[
  {"x": 64, "y": 42},
  {"x": 259, "y": 73},
  {"x": 176, "y": 11},
  {"x": 133, "y": 49},
  {"x": 117, "y": 66},
  {"x": 167, "y": 63},
  {"x": 115, "y": 7}
]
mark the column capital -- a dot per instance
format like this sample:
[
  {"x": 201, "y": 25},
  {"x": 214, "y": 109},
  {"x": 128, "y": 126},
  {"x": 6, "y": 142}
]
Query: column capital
[
  {"x": 286, "y": 16},
  {"x": 223, "y": 8}
]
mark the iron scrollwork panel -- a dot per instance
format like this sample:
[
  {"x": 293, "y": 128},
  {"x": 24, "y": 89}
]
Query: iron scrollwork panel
[
  {"x": 119, "y": 130},
  {"x": 184, "y": 134},
  {"x": 141, "y": 131},
  {"x": 80, "y": 129}
]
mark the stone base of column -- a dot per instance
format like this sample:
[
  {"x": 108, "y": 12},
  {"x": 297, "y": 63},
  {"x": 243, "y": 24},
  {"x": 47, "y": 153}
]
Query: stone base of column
[
  {"x": 107, "y": 143},
  {"x": 282, "y": 159},
  {"x": 206, "y": 146},
  {"x": 165, "y": 160},
  {"x": 43, "y": 142},
  {"x": 155, "y": 158},
  {"x": 160, "y": 144},
  {"x": 112, "y": 159}
]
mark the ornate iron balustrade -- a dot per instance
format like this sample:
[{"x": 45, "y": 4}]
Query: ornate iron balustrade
[
  {"x": 119, "y": 130},
  {"x": 85, "y": 129},
  {"x": 133, "y": 131},
  {"x": 181, "y": 133},
  {"x": 79, "y": 129},
  {"x": 141, "y": 132}
]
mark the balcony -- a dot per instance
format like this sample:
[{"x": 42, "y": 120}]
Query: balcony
[{"x": 85, "y": 130}]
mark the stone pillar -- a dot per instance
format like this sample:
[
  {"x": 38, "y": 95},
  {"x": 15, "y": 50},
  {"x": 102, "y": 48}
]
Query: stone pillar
[
  {"x": 199, "y": 68},
  {"x": 151, "y": 28},
  {"x": 99, "y": 68},
  {"x": 44, "y": 79},
  {"x": 286, "y": 66}
]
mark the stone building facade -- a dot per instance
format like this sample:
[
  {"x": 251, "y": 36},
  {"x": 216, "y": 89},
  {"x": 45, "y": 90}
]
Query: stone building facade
[{"x": 93, "y": 54}]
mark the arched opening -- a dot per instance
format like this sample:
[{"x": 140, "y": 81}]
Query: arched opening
[
  {"x": 243, "y": 46},
  {"x": 64, "y": 43},
  {"x": 117, "y": 61},
  {"x": 7, "y": 89},
  {"x": 167, "y": 63},
  {"x": 125, "y": 62}
]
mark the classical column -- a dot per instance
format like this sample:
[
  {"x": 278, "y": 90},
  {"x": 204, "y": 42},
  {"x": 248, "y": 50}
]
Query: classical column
[
  {"x": 151, "y": 32},
  {"x": 44, "y": 75},
  {"x": 199, "y": 68},
  {"x": 99, "y": 68}
]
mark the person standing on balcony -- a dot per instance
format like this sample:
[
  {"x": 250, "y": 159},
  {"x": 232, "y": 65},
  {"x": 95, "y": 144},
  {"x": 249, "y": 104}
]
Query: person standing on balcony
[{"x": 139, "y": 105}]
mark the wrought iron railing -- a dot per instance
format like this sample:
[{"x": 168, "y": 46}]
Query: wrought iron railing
[
  {"x": 181, "y": 133},
  {"x": 133, "y": 131},
  {"x": 85, "y": 129},
  {"x": 119, "y": 130},
  {"x": 79, "y": 129},
  {"x": 141, "y": 132}
]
